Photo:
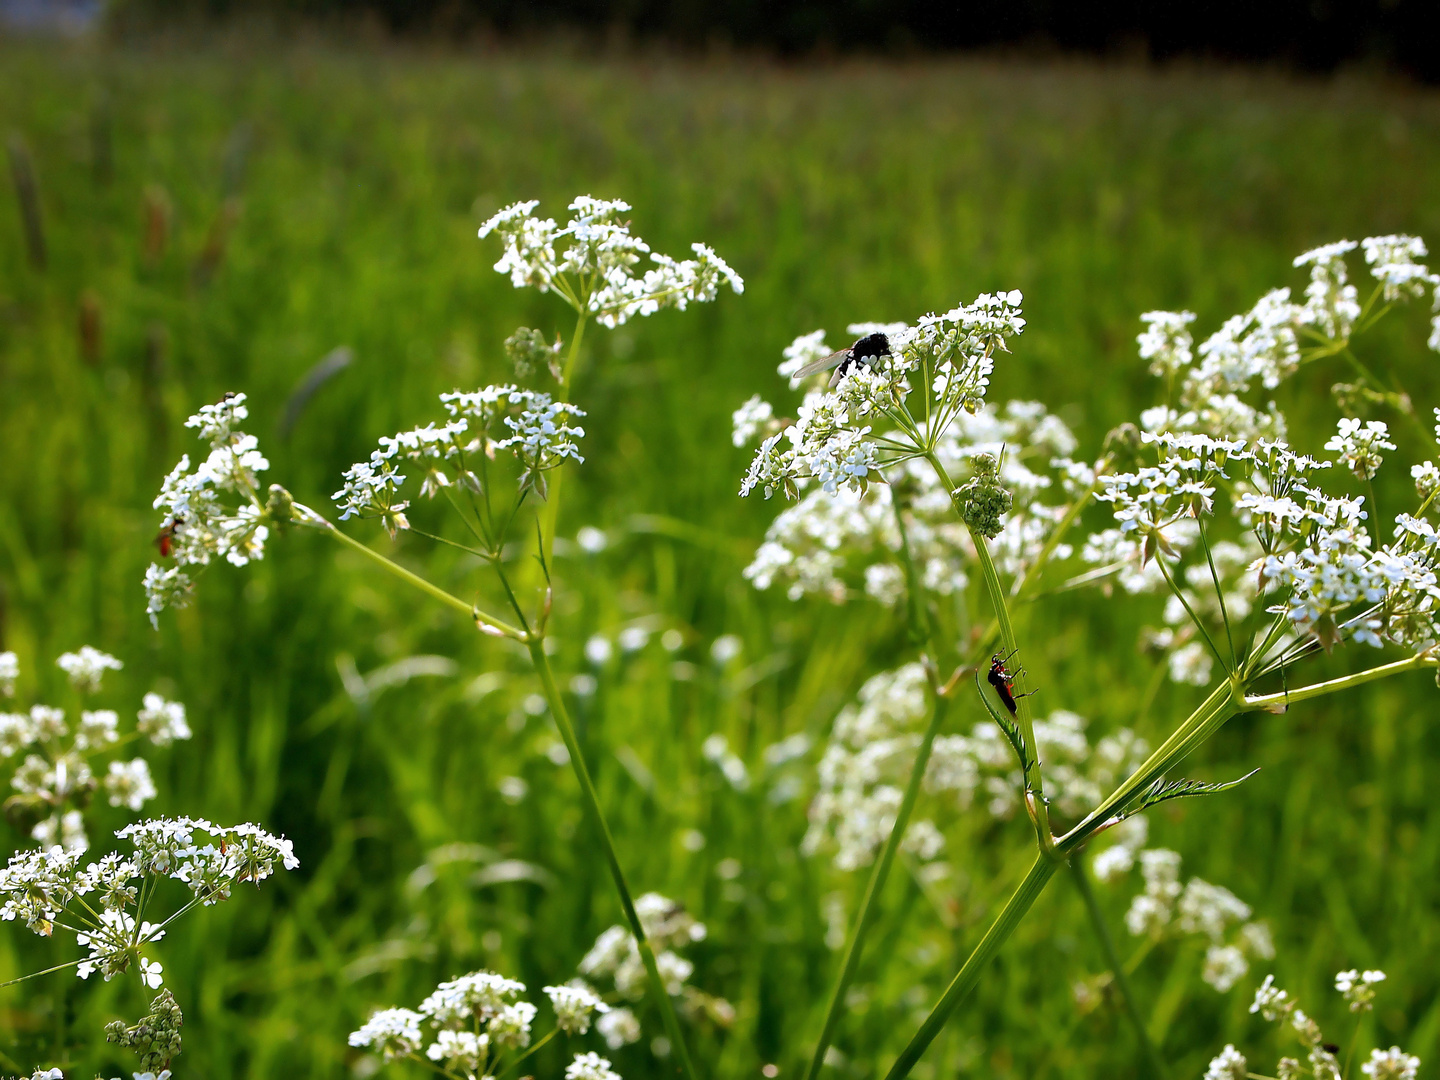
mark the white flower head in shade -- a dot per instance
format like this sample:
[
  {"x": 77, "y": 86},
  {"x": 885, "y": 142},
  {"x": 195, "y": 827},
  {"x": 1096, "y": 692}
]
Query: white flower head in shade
[
  {"x": 9, "y": 673},
  {"x": 619, "y": 1027},
  {"x": 161, "y": 721},
  {"x": 1394, "y": 262},
  {"x": 1229, "y": 1064},
  {"x": 574, "y": 1004},
  {"x": 128, "y": 784},
  {"x": 1358, "y": 988},
  {"x": 590, "y": 1066},
  {"x": 390, "y": 1032},
  {"x": 87, "y": 667}
]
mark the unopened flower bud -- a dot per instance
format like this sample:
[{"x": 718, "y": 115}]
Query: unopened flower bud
[
  {"x": 528, "y": 350},
  {"x": 983, "y": 501}
]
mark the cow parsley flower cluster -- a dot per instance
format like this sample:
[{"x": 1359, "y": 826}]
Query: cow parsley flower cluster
[
  {"x": 849, "y": 543},
  {"x": 1323, "y": 1061},
  {"x": 615, "y": 959},
  {"x": 834, "y": 443},
  {"x": 104, "y": 903},
  {"x": 477, "y": 1025},
  {"x": 593, "y": 261},
  {"x": 1165, "y": 909},
  {"x": 214, "y": 511},
  {"x": 539, "y": 431},
  {"x": 872, "y": 749},
  {"x": 54, "y": 754}
]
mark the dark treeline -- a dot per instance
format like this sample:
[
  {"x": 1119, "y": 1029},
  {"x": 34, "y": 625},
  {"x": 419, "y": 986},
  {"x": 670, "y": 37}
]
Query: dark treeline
[{"x": 1307, "y": 35}]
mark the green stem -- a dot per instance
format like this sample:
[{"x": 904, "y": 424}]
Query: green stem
[
  {"x": 1219, "y": 594},
  {"x": 1198, "y": 726},
  {"x": 551, "y": 517},
  {"x": 1117, "y": 969},
  {"x": 866, "y": 915},
  {"x": 434, "y": 591},
  {"x": 607, "y": 842},
  {"x": 1315, "y": 690},
  {"x": 1039, "y": 812},
  {"x": 1001, "y": 929}
]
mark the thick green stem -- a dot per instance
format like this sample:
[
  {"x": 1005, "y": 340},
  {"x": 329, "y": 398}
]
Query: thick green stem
[
  {"x": 489, "y": 622},
  {"x": 1001, "y": 929},
  {"x": 1117, "y": 969},
  {"x": 1198, "y": 726},
  {"x": 607, "y": 843},
  {"x": 854, "y": 947}
]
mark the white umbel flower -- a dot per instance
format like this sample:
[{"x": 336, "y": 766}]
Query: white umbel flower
[
  {"x": 87, "y": 667},
  {"x": 590, "y": 1066}
]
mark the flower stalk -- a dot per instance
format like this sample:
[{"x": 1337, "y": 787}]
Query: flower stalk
[{"x": 591, "y": 800}]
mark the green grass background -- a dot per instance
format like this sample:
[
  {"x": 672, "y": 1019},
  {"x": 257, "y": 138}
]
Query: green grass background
[{"x": 841, "y": 192}]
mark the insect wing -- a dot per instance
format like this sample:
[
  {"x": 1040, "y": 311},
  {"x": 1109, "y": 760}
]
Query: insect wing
[{"x": 823, "y": 364}]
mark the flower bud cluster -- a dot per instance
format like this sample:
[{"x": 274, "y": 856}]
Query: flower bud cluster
[
  {"x": 55, "y": 779},
  {"x": 156, "y": 1038},
  {"x": 593, "y": 262}
]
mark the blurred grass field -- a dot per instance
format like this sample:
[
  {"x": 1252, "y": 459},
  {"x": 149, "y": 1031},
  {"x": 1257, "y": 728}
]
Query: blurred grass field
[{"x": 235, "y": 208}]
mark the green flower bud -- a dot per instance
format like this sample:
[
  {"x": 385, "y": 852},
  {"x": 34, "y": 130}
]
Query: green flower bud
[
  {"x": 528, "y": 351},
  {"x": 983, "y": 502}
]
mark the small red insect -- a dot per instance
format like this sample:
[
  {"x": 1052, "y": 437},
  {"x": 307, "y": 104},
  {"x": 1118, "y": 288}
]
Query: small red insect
[
  {"x": 1004, "y": 682},
  {"x": 165, "y": 540}
]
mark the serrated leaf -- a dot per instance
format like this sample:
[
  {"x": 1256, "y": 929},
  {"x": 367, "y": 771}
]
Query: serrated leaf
[
  {"x": 1013, "y": 734},
  {"x": 1161, "y": 791}
]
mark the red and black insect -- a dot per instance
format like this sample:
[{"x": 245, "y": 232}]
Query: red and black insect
[
  {"x": 165, "y": 539},
  {"x": 1004, "y": 682}
]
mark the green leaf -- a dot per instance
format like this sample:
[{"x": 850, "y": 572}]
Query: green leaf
[
  {"x": 1012, "y": 731},
  {"x": 1160, "y": 791}
]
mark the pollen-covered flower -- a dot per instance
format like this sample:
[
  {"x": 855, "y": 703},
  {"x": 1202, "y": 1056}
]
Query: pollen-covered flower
[{"x": 1392, "y": 1064}]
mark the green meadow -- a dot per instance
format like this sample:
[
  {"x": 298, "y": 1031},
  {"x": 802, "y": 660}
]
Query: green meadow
[{"x": 221, "y": 213}]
